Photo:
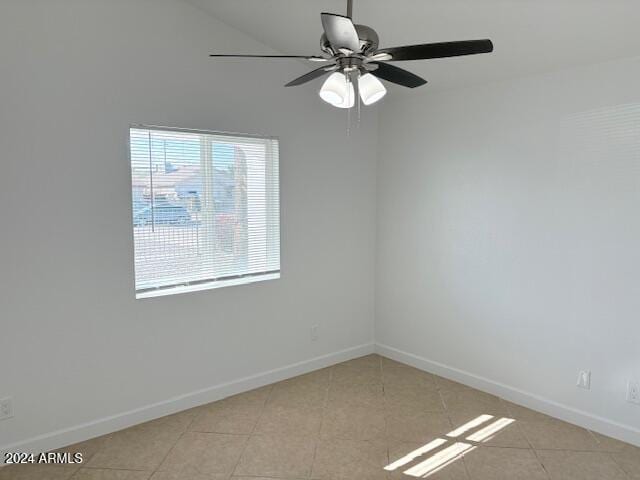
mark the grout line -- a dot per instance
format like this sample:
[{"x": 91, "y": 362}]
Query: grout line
[
  {"x": 535, "y": 453},
  {"x": 118, "y": 469},
  {"x": 324, "y": 413},
  {"x": 387, "y": 440},
  {"x": 174, "y": 445},
  {"x": 444, "y": 406},
  {"x": 524, "y": 435},
  {"x": 464, "y": 462},
  {"x": 262, "y": 476},
  {"x": 547, "y": 449},
  {"x": 215, "y": 432},
  {"x": 610, "y": 455},
  {"x": 253, "y": 429},
  {"x": 71, "y": 477},
  {"x": 618, "y": 464}
]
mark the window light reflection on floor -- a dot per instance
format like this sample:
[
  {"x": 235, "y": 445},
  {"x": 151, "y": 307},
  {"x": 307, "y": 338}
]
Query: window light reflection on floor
[
  {"x": 439, "y": 460},
  {"x": 476, "y": 422},
  {"x": 442, "y": 458},
  {"x": 489, "y": 431},
  {"x": 410, "y": 457}
]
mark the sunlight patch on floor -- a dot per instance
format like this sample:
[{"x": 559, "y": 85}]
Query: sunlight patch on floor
[
  {"x": 443, "y": 457},
  {"x": 439, "y": 460}
]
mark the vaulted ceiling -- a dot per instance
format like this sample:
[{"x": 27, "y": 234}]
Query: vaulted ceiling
[{"x": 530, "y": 36}]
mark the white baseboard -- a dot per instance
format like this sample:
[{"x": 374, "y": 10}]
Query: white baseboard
[
  {"x": 95, "y": 428},
  {"x": 584, "y": 419}
]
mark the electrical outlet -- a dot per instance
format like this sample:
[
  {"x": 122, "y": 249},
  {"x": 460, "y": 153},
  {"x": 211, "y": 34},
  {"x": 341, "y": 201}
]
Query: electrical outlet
[
  {"x": 314, "y": 333},
  {"x": 633, "y": 392},
  {"x": 6, "y": 408},
  {"x": 584, "y": 379}
]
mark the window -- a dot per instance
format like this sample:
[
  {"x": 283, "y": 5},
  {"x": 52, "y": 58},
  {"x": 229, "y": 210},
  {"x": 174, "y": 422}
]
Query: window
[{"x": 205, "y": 209}]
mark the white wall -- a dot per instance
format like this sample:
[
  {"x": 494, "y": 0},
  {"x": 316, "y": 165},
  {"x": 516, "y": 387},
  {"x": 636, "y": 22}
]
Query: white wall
[
  {"x": 507, "y": 222},
  {"x": 508, "y": 235},
  {"x": 75, "y": 346}
]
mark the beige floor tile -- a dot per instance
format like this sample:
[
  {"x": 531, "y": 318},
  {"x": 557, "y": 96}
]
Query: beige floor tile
[
  {"x": 361, "y": 396},
  {"x": 186, "y": 476},
  {"x": 446, "y": 384},
  {"x": 409, "y": 455},
  {"x": 558, "y": 435},
  {"x": 257, "y": 397},
  {"x": 567, "y": 465},
  {"x": 237, "y": 414},
  {"x": 104, "y": 474},
  {"x": 277, "y": 420},
  {"x": 510, "y": 436},
  {"x": 491, "y": 463},
  {"x": 494, "y": 432},
  {"x": 412, "y": 399},
  {"x": 629, "y": 460},
  {"x": 142, "y": 447},
  {"x": 178, "y": 421},
  {"x": 473, "y": 401},
  {"x": 388, "y": 362},
  {"x": 299, "y": 394},
  {"x": 372, "y": 360},
  {"x": 262, "y": 478},
  {"x": 525, "y": 414},
  {"x": 351, "y": 375},
  {"x": 422, "y": 427},
  {"x": 37, "y": 472},
  {"x": 353, "y": 423},
  {"x": 362, "y": 370},
  {"x": 608, "y": 444},
  {"x": 339, "y": 459},
  {"x": 205, "y": 453},
  {"x": 317, "y": 377},
  {"x": 398, "y": 374},
  {"x": 277, "y": 456},
  {"x": 227, "y": 417}
]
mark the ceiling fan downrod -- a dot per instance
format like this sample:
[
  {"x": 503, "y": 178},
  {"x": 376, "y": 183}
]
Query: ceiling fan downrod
[{"x": 350, "y": 9}]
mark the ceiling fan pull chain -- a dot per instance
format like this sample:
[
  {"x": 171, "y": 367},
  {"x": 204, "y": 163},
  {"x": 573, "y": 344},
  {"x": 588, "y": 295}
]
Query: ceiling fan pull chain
[
  {"x": 348, "y": 99},
  {"x": 348, "y": 122},
  {"x": 357, "y": 94},
  {"x": 351, "y": 91}
]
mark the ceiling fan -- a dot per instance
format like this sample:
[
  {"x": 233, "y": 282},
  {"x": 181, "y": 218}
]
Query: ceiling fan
[{"x": 350, "y": 52}]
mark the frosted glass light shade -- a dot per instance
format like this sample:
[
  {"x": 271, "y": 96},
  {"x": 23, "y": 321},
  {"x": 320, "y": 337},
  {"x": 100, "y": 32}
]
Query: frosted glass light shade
[
  {"x": 350, "y": 99},
  {"x": 337, "y": 91},
  {"x": 371, "y": 89}
]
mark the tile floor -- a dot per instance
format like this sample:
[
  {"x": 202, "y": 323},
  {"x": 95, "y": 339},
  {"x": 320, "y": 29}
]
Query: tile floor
[{"x": 367, "y": 419}]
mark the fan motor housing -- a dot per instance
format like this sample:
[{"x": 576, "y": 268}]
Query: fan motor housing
[{"x": 368, "y": 40}]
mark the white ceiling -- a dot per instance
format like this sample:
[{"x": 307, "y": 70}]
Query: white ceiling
[{"x": 530, "y": 36}]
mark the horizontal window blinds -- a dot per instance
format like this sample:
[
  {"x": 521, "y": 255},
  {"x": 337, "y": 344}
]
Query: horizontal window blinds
[{"x": 205, "y": 209}]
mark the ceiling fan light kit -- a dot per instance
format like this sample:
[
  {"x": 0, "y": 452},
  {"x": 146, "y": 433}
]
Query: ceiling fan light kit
[
  {"x": 338, "y": 91},
  {"x": 350, "y": 55},
  {"x": 371, "y": 89}
]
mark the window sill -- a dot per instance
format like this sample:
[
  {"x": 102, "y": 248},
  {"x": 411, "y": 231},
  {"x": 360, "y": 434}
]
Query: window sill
[{"x": 161, "y": 292}]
